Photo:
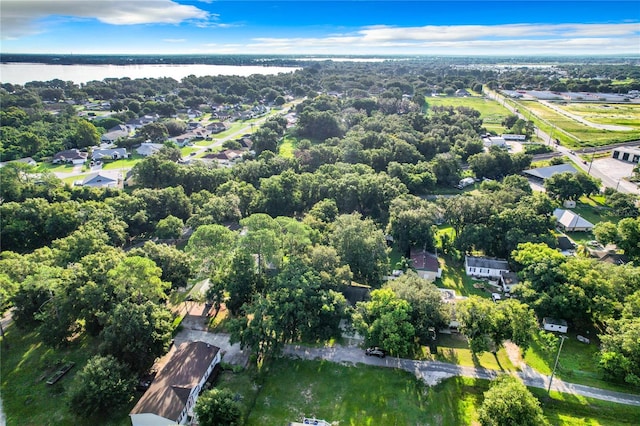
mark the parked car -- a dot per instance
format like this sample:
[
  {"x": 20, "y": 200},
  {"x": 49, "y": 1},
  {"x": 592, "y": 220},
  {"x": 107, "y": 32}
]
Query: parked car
[{"x": 375, "y": 351}]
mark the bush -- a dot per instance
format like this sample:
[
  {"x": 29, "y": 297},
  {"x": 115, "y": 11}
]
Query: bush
[{"x": 102, "y": 385}]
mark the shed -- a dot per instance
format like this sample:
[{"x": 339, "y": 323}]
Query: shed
[{"x": 553, "y": 324}]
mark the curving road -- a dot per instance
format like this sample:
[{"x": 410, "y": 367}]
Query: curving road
[{"x": 433, "y": 372}]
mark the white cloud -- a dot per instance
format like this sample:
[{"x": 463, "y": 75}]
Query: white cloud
[
  {"x": 20, "y": 17},
  {"x": 468, "y": 39}
]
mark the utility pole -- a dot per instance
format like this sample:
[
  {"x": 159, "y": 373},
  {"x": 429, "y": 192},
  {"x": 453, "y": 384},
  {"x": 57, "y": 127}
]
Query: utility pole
[
  {"x": 593, "y": 154},
  {"x": 556, "y": 364}
]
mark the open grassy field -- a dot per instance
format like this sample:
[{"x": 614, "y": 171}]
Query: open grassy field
[
  {"x": 491, "y": 112},
  {"x": 365, "y": 395},
  {"x": 28, "y": 400},
  {"x": 570, "y": 132},
  {"x": 617, "y": 114}
]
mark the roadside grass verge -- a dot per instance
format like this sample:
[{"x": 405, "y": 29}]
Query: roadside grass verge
[
  {"x": 616, "y": 114},
  {"x": 27, "y": 363},
  {"x": 578, "y": 363},
  {"x": 454, "y": 348},
  {"x": 288, "y": 390}
]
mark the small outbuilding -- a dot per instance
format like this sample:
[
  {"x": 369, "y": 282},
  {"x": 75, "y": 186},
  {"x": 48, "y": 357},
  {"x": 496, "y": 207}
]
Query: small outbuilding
[
  {"x": 553, "y": 324},
  {"x": 572, "y": 222}
]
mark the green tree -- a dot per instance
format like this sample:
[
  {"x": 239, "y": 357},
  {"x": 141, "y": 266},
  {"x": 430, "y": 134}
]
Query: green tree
[
  {"x": 385, "y": 321},
  {"x": 104, "y": 384},
  {"x": 427, "y": 308},
  {"x": 169, "y": 228},
  {"x": 86, "y": 134},
  {"x": 218, "y": 407},
  {"x": 362, "y": 246},
  {"x": 136, "y": 334},
  {"x": 508, "y": 402},
  {"x": 175, "y": 264}
]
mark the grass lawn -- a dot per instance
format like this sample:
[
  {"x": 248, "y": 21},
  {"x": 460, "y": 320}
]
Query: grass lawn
[
  {"x": 54, "y": 168},
  {"x": 594, "y": 211},
  {"x": 577, "y": 363},
  {"x": 455, "y": 278},
  {"x": 491, "y": 112},
  {"x": 27, "y": 399},
  {"x": 454, "y": 348},
  {"x": 363, "y": 395},
  {"x": 185, "y": 151},
  {"x": 287, "y": 146},
  {"x": 126, "y": 163}
]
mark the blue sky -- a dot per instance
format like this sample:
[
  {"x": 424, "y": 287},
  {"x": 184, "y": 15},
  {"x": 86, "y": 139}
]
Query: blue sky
[{"x": 320, "y": 27}]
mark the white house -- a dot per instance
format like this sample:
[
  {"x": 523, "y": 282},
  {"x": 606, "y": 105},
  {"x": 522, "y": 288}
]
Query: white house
[
  {"x": 27, "y": 160},
  {"x": 552, "y": 324},
  {"x": 146, "y": 149},
  {"x": 485, "y": 267},
  {"x": 490, "y": 141},
  {"x": 572, "y": 222},
  {"x": 426, "y": 264},
  {"x": 173, "y": 394},
  {"x": 110, "y": 154}
]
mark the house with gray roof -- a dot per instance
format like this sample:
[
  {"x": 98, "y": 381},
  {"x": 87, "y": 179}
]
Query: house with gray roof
[
  {"x": 109, "y": 154},
  {"x": 543, "y": 173},
  {"x": 100, "y": 180},
  {"x": 485, "y": 267},
  {"x": 120, "y": 131},
  {"x": 572, "y": 222},
  {"x": 146, "y": 149},
  {"x": 175, "y": 390},
  {"x": 73, "y": 156}
]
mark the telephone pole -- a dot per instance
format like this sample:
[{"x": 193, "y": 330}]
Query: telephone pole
[{"x": 556, "y": 364}]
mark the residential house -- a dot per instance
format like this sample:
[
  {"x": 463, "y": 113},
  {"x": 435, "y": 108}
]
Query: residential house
[
  {"x": 462, "y": 93},
  {"x": 552, "y": 324},
  {"x": 27, "y": 160},
  {"x": 508, "y": 280},
  {"x": 100, "y": 180},
  {"x": 426, "y": 264},
  {"x": 73, "y": 156},
  {"x": 485, "y": 267},
  {"x": 109, "y": 154},
  {"x": 245, "y": 142},
  {"x": 542, "y": 173},
  {"x": 173, "y": 393},
  {"x": 117, "y": 132},
  {"x": 217, "y": 127},
  {"x": 226, "y": 157},
  {"x": 146, "y": 149},
  {"x": 572, "y": 222}
]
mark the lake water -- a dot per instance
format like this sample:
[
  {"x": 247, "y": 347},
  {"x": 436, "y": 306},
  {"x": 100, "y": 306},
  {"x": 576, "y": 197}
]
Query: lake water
[{"x": 21, "y": 73}]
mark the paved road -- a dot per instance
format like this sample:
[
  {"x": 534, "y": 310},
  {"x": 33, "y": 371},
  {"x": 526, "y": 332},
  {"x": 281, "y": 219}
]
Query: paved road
[{"x": 434, "y": 371}]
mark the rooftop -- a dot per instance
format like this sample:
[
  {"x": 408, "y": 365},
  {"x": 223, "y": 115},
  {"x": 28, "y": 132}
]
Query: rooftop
[
  {"x": 423, "y": 260},
  {"x": 547, "y": 172},
  {"x": 486, "y": 262},
  {"x": 170, "y": 390}
]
